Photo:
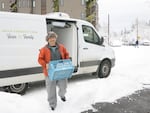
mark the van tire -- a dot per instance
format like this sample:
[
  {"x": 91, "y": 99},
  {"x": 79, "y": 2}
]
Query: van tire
[
  {"x": 104, "y": 69},
  {"x": 18, "y": 88}
]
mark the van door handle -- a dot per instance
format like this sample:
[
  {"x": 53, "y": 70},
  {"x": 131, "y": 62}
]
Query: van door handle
[{"x": 85, "y": 48}]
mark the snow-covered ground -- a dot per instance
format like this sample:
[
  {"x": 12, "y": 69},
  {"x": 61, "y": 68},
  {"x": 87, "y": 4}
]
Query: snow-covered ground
[{"x": 131, "y": 73}]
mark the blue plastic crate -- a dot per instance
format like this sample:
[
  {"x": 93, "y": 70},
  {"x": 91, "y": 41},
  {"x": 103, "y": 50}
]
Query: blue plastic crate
[{"x": 60, "y": 69}]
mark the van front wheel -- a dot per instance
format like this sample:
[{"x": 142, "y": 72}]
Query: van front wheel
[
  {"x": 18, "y": 88},
  {"x": 104, "y": 69}
]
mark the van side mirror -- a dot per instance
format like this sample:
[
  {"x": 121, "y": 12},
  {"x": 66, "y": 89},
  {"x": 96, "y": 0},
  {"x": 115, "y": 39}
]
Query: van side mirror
[{"x": 101, "y": 41}]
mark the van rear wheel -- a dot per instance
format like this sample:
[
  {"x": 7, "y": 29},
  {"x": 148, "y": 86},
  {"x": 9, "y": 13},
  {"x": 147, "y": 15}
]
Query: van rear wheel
[
  {"x": 18, "y": 88},
  {"x": 104, "y": 69}
]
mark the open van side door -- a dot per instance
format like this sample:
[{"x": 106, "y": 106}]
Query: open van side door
[{"x": 67, "y": 35}]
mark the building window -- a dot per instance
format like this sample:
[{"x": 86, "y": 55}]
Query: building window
[
  {"x": 3, "y": 5},
  {"x": 83, "y": 2},
  {"x": 19, "y": 3},
  {"x": 28, "y": 3},
  {"x": 24, "y": 3},
  {"x": 61, "y": 2},
  {"x": 83, "y": 16},
  {"x": 34, "y": 3}
]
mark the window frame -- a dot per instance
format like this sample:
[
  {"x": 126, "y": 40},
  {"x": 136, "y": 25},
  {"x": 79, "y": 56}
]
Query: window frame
[
  {"x": 3, "y": 5},
  {"x": 95, "y": 39},
  {"x": 34, "y": 3},
  {"x": 83, "y": 2},
  {"x": 61, "y": 2}
]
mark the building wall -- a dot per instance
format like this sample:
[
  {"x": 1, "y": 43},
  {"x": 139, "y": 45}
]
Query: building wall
[
  {"x": 24, "y": 6},
  {"x": 75, "y": 8},
  {"x": 29, "y": 6},
  {"x": 43, "y": 6},
  {"x": 4, "y": 5},
  {"x": 49, "y": 6},
  {"x": 36, "y": 6}
]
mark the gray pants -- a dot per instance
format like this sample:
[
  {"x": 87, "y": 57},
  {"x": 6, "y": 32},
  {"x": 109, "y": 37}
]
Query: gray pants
[{"x": 51, "y": 90}]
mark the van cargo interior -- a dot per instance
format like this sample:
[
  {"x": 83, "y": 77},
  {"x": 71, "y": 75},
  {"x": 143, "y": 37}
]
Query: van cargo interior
[{"x": 67, "y": 35}]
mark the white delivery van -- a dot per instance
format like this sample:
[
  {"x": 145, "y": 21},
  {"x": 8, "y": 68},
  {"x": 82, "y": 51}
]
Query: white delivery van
[{"x": 22, "y": 35}]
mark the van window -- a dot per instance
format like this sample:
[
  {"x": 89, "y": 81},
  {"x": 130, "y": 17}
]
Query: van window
[{"x": 90, "y": 35}]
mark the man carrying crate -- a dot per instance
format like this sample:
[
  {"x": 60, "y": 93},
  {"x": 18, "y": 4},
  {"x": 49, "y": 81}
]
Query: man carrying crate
[{"x": 53, "y": 51}]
